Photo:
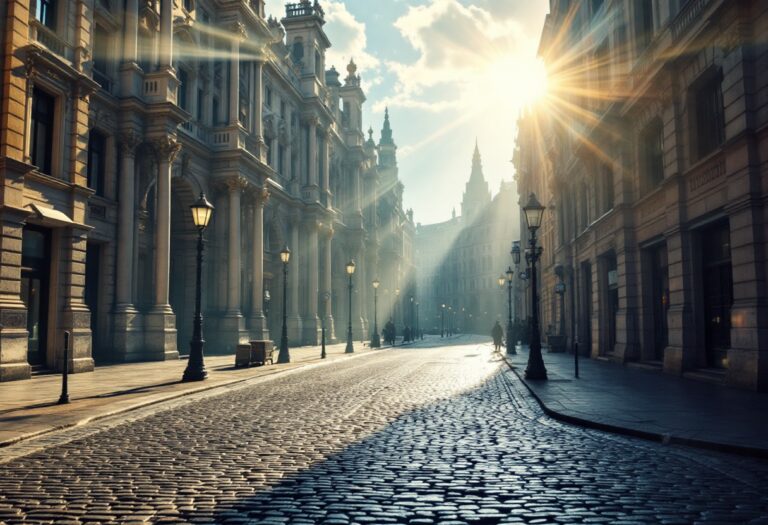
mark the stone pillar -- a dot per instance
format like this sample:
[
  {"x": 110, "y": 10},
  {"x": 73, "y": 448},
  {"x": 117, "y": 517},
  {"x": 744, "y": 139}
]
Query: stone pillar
[
  {"x": 160, "y": 323},
  {"x": 627, "y": 346},
  {"x": 131, "y": 31},
  {"x": 234, "y": 82},
  {"x": 258, "y": 106},
  {"x": 75, "y": 318},
  {"x": 166, "y": 34},
  {"x": 361, "y": 287},
  {"x": 311, "y": 322},
  {"x": 232, "y": 326},
  {"x": 258, "y": 323},
  {"x": 294, "y": 318},
  {"x": 327, "y": 286},
  {"x": 680, "y": 354},
  {"x": 13, "y": 312},
  {"x": 326, "y": 161},
  {"x": 128, "y": 329},
  {"x": 748, "y": 355}
]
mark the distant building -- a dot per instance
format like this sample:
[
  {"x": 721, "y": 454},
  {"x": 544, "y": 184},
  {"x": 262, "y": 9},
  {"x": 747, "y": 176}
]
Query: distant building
[
  {"x": 652, "y": 168},
  {"x": 460, "y": 260}
]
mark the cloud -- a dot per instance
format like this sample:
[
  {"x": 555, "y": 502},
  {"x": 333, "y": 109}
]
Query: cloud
[
  {"x": 459, "y": 46},
  {"x": 348, "y": 40}
]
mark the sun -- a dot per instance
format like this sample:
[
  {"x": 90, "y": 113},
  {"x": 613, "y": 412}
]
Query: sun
[{"x": 510, "y": 84}]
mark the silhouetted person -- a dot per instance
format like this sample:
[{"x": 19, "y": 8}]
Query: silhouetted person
[{"x": 497, "y": 332}]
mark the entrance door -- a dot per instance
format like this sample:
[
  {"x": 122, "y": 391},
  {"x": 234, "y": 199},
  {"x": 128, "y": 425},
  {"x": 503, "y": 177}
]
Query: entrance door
[
  {"x": 660, "y": 298},
  {"x": 35, "y": 269},
  {"x": 717, "y": 293}
]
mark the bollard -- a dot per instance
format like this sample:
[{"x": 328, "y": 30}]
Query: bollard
[
  {"x": 576, "y": 359},
  {"x": 64, "y": 398}
]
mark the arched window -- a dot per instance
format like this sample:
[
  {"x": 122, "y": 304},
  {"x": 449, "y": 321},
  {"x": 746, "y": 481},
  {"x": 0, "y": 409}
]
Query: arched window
[{"x": 297, "y": 50}]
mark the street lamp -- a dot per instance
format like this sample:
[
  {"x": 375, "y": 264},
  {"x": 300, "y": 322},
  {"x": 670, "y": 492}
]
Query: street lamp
[
  {"x": 195, "y": 371},
  {"x": 442, "y": 320},
  {"x": 510, "y": 328},
  {"x": 284, "y": 356},
  {"x": 534, "y": 213},
  {"x": 375, "y": 340},
  {"x": 350, "y": 270}
]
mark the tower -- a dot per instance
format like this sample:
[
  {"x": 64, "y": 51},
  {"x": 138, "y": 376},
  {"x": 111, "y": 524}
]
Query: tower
[
  {"x": 307, "y": 41},
  {"x": 387, "y": 147},
  {"x": 477, "y": 195}
]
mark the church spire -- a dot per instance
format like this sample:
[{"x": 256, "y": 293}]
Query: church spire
[
  {"x": 386, "y": 131},
  {"x": 477, "y": 166}
]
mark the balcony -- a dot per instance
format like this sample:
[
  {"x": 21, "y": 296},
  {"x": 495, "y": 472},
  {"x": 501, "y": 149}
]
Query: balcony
[
  {"x": 304, "y": 8},
  {"x": 48, "y": 39},
  {"x": 689, "y": 13}
]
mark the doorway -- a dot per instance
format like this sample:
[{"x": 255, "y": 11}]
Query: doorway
[
  {"x": 717, "y": 293},
  {"x": 659, "y": 298},
  {"x": 35, "y": 281},
  {"x": 586, "y": 308}
]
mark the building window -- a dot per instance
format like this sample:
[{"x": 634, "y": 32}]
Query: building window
[
  {"x": 200, "y": 104},
  {"x": 643, "y": 22},
  {"x": 268, "y": 96},
  {"x": 43, "y": 109},
  {"x": 651, "y": 157},
  {"x": 189, "y": 5},
  {"x": 280, "y": 159},
  {"x": 97, "y": 154},
  {"x": 708, "y": 113},
  {"x": 101, "y": 72},
  {"x": 183, "y": 86},
  {"x": 297, "y": 51},
  {"x": 45, "y": 12},
  {"x": 215, "y": 111},
  {"x": 318, "y": 65},
  {"x": 608, "y": 189}
]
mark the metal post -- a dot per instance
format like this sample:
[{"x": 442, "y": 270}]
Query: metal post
[
  {"x": 576, "y": 358},
  {"x": 535, "y": 368},
  {"x": 64, "y": 397},
  {"x": 510, "y": 328},
  {"x": 350, "y": 348},
  {"x": 325, "y": 296},
  {"x": 195, "y": 370},
  {"x": 375, "y": 339},
  {"x": 284, "y": 355}
]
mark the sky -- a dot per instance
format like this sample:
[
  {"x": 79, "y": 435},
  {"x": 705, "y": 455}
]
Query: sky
[{"x": 450, "y": 72}]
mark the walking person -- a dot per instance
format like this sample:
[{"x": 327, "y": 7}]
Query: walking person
[{"x": 498, "y": 334}]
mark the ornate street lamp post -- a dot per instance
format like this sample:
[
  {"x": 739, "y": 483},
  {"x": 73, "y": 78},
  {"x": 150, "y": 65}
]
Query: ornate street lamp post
[
  {"x": 350, "y": 270},
  {"x": 442, "y": 320},
  {"x": 534, "y": 212},
  {"x": 375, "y": 340},
  {"x": 284, "y": 356},
  {"x": 324, "y": 297},
  {"x": 510, "y": 328},
  {"x": 195, "y": 371}
]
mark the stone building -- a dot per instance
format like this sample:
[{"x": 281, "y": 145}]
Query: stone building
[
  {"x": 460, "y": 260},
  {"x": 651, "y": 159},
  {"x": 116, "y": 115}
]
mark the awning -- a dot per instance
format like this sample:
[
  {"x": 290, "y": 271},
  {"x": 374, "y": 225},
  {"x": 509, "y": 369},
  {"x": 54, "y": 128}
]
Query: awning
[{"x": 50, "y": 217}]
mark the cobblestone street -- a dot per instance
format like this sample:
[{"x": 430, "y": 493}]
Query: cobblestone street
[{"x": 414, "y": 435}]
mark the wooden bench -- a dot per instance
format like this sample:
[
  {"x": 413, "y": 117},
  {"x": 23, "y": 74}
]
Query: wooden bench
[{"x": 255, "y": 353}]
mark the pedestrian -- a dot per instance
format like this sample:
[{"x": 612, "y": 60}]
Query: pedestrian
[{"x": 498, "y": 334}]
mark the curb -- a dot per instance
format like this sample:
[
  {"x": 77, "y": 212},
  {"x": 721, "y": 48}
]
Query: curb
[
  {"x": 178, "y": 395},
  {"x": 666, "y": 439}
]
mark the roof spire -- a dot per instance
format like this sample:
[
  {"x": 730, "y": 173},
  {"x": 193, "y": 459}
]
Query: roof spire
[{"x": 386, "y": 130}]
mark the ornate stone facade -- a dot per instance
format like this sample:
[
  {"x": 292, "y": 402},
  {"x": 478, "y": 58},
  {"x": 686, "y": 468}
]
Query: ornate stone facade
[
  {"x": 655, "y": 187},
  {"x": 116, "y": 115}
]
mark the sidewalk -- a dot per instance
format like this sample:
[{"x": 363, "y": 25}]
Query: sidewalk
[
  {"x": 650, "y": 404},
  {"x": 28, "y": 408}
]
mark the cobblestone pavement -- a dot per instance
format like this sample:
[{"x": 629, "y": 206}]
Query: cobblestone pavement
[{"x": 416, "y": 435}]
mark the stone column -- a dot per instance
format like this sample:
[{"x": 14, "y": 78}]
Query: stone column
[
  {"x": 126, "y": 319},
  {"x": 258, "y": 106},
  {"x": 232, "y": 328},
  {"x": 327, "y": 287},
  {"x": 234, "y": 74},
  {"x": 13, "y": 336},
  {"x": 294, "y": 318},
  {"x": 131, "y": 31},
  {"x": 680, "y": 354},
  {"x": 326, "y": 161},
  {"x": 75, "y": 317},
  {"x": 311, "y": 322},
  {"x": 160, "y": 326},
  {"x": 258, "y": 323},
  {"x": 166, "y": 34}
]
